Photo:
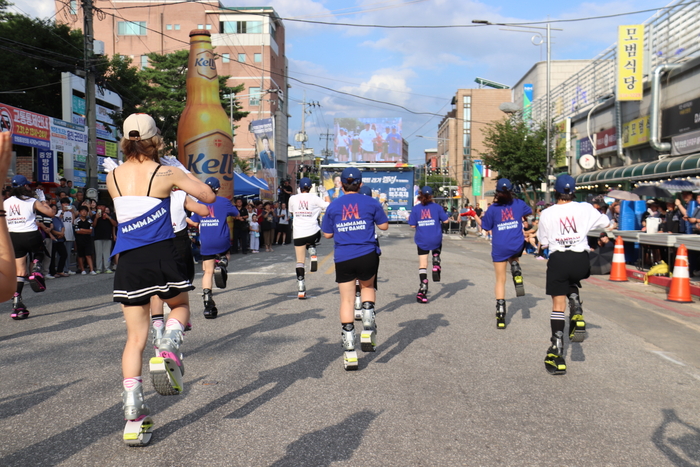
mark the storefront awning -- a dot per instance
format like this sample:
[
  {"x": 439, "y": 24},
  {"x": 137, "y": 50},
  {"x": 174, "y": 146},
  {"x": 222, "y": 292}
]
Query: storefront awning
[{"x": 669, "y": 167}]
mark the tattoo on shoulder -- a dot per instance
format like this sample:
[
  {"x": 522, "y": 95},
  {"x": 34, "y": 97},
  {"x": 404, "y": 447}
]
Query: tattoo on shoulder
[{"x": 165, "y": 173}]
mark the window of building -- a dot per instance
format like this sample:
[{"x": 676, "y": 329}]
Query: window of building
[
  {"x": 241, "y": 27},
  {"x": 131, "y": 28},
  {"x": 207, "y": 26},
  {"x": 466, "y": 125},
  {"x": 169, "y": 27},
  {"x": 257, "y": 58},
  {"x": 177, "y": 27},
  {"x": 254, "y": 96},
  {"x": 241, "y": 58},
  {"x": 200, "y": 26},
  {"x": 73, "y": 7},
  {"x": 273, "y": 31},
  {"x": 225, "y": 58},
  {"x": 144, "y": 61}
]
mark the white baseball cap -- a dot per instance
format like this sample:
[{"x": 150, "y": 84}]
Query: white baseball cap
[{"x": 143, "y": 124}]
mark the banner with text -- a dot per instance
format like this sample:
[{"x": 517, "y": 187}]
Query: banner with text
[
  {"x": 27, "y": 128},
  {"x": 630, "y": 61}
]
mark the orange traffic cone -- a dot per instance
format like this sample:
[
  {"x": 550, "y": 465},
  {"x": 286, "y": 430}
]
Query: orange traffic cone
[
  {"x": 680, "y": 283},
  {"x": 618, "y": 272}
]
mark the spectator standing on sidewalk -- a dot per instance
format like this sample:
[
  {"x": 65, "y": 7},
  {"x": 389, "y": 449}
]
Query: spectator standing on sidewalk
[
  {"x": 267, "y": 225},
  {"x": 83, "y": 241},
  {"x": 58, "y": 250},
  {"x": 240, "y": 228},
  {"x": 67, "y": 216},
  {"x": 104, "y": 227},
  {"x": 282, "y": 224}
]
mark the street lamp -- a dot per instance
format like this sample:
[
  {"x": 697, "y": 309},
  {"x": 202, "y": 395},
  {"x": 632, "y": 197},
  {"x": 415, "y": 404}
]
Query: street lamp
[{"x": 548, "y": 169}]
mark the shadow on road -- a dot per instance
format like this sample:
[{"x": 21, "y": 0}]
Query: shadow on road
[
  {"x": 311, "y": 365},
  {"x": 412, "y": 330},
  {"x": 20, "y": 403},
  {"x": 271, "y": 322},
  {"x": 68, "y": 325},
  {"x": 679, "y": 441},
  {"x": 524, "y": 305},
  {"x": 61, "y": 446},
  {"x": 332, "y": 444}
]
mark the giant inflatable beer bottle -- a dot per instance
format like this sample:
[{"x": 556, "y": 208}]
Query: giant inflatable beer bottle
[{"x": 204, "y": 141}]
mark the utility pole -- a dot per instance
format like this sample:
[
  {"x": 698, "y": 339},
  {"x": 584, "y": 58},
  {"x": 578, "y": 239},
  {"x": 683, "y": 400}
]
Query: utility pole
[
  {"x": 90, "y": 104},
  {"x": 327, "y": 136}
]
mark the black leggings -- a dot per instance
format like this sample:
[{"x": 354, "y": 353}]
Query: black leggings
[{"x": 59, "y": 248}]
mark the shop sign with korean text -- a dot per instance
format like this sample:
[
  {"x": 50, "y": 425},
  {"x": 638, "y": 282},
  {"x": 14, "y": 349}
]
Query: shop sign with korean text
[
  {"x": 606, "y": 141},
  {"x": 635, "y": 132},
  {"x": 27, "y": 128},
  {"x": 630, "y": 60}
]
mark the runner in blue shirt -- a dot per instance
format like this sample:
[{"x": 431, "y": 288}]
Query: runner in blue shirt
[
  {"x": 350, "y": 221},
  {"x": 215, "y": 240},
  {"x": 426, "y": 218},
  {"x": 505, "y": 221}
]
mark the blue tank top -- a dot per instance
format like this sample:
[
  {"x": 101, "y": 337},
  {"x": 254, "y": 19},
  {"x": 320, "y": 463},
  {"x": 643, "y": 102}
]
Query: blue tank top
[{"x": 150, "y": 227}]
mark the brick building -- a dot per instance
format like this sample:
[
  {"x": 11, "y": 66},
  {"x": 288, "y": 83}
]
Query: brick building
[{"x": 461, "y": 141}]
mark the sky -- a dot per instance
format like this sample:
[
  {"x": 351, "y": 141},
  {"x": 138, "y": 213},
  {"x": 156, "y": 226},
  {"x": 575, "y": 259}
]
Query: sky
[{"x": 417, "y": 69}]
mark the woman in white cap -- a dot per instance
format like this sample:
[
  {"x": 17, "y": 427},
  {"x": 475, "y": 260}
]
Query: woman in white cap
[
  {"x": 148, "y": 265},
  {"x": 21, "y": 209},
  {"x": 504, "y": 219},
  {"x": 426, "y": 218},
  {"x": 564, "y": 230},
  {"x": 8, "y": 268}
]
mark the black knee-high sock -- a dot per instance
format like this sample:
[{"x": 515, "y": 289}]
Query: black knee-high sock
[
  {"x": 423, "y": 274},
  {"x": 20, "y": 285},
  {"x": 300, "y": 271},
  {"x": 556, "y": 320}
]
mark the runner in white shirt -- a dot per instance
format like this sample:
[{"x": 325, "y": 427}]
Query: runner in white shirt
[
  {"x": 564, "y": 229},
  {"x": 305, "y": 209},
  {"x": 26, "y": 239}
]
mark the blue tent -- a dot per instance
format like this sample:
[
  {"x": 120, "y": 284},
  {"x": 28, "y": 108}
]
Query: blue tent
[{"x": 244, "y": 186}]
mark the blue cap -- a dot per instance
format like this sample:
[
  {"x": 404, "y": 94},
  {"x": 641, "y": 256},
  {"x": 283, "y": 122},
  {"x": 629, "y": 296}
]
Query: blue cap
[
  {"x": 426, "y": 190},
  {"x": 365, "y": 190},
  {"x": 565, "y": 184},
  {"x": 305, "y": 182},
  {"x": 213, "y": 182},
  {"x": 19, "y": 180},
  {"x": 351, "y": 173},
  {"x": 504, "y": 185}
]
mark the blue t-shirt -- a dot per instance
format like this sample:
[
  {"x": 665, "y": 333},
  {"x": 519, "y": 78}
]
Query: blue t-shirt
[
  {"x": 506, "y": 225},
  {"x": 57, "y": 226},
  {"x": 427, "y": 220},
  {"x": 351, "y": 220},
  {"x": 214, "y": 234}
]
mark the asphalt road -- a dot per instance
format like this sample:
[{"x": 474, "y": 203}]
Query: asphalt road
[{"x": 265, "y": 384}]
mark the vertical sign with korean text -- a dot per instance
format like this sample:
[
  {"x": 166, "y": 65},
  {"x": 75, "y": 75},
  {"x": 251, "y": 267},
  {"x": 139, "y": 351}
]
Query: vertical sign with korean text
[
  {"x": 630, "y": 57},
  {"x": 46, "y": 170}
]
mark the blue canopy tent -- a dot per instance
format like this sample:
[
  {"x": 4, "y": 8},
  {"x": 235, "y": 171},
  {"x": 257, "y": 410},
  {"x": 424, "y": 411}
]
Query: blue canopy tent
[{"x": 244, "y": 186}]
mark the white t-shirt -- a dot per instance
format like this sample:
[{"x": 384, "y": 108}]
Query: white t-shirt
[
  {"x": 283, "y": 216},
  {"x": 306, "y": 208},
  {"x": 67, "y": 218},
  {"x": 367, "y": 137},
  {"x": 564, "y": 227},
  {"x": 177, "y": 210},
  {"x": 20, "y": 214}
]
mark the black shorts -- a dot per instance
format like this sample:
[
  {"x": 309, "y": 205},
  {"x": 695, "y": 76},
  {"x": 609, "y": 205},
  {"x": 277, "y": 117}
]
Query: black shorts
[
  {"x": 564, "y": 269},
  {"x": 27, "y": 242},
  {"x": 155, "y": 269},
  {"x": 362, "y": 268},
  {"x": 183, "y": 245},
  {"x": 421, "y": 251},
  {"x": 220, "y": 255},
  {"x": 310, "y": 240},
  {"x": 83, "y": 248}
]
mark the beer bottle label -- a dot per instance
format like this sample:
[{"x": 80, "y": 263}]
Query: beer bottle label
[
  {"x": 211, "y": 155},
  {"x": 205, "y": 65}
]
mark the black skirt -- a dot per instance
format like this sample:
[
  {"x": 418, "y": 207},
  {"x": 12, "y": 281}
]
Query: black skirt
[{"x": 156, "y": 269}]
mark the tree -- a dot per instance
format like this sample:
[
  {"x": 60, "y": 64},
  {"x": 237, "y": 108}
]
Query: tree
[
  {"x": 35, "y": 52},
  {"x": 518, "y": 152}
]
